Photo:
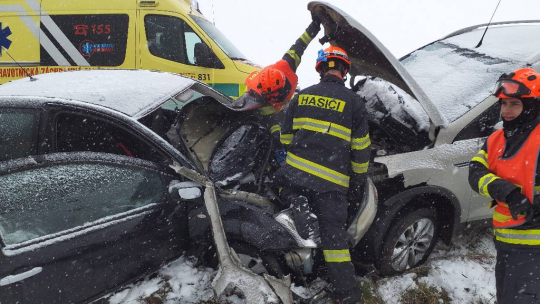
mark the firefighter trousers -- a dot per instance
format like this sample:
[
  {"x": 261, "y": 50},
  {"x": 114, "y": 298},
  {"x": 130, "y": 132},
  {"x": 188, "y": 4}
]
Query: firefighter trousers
[
  {"x": 517, "y": 276},
  {"x": 331, "y": 211}
]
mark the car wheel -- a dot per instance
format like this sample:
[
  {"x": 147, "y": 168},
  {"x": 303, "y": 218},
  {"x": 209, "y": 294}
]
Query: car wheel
[
  {"x": 409, "y": 241},
  {"x": 254, "y": 260}
]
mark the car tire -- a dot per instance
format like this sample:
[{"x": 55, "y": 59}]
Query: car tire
[
  {"x": 254, "y": 260},
  {"x": 409, "y": 241}
]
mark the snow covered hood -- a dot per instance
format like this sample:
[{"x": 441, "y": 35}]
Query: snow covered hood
[
  {"x": 457, "y": 76},
  {"x": 132, "y": 92},
  {"x": 369, "y": 56}
]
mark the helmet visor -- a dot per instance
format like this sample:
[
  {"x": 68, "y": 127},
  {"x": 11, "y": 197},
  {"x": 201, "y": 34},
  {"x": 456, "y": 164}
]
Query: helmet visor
[{"x": 510, "y": 88}]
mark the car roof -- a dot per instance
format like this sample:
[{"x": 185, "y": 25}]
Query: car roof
[
  {"x": 512, "y": 40},
  {"x": 469, "y": 72},
  {"x": 131, "y": 92}
]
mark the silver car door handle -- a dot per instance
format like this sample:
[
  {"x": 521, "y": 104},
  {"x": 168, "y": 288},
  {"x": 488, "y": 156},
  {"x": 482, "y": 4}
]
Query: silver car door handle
[{"x": 19, "y": 277}]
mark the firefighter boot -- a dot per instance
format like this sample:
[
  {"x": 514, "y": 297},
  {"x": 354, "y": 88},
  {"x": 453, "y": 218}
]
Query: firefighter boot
[{"x": 304, "y": 220}]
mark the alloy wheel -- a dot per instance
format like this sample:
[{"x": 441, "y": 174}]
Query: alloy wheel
[{"x": 413, "y": 244}]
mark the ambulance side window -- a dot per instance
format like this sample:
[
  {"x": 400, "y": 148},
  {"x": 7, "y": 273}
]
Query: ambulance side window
[{"x": 173, "y": 39}]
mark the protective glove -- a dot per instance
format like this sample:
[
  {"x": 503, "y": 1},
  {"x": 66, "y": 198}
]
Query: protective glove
[
  {"x": 315, "y": 18},
  {"x": 280, "y": 155},
  {"x": 519, "y": 205}
]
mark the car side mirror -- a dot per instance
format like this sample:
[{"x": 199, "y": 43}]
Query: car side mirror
[
  {"x": 185, "y": 191},
  {"x": 204, "y": 57}
]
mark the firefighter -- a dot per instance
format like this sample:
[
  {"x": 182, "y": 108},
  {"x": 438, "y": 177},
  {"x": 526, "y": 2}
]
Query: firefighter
[
  {"x": 325, "y": 133},
  {"x": 269, "y": 89},
  {"x": 507, "y": 170}
]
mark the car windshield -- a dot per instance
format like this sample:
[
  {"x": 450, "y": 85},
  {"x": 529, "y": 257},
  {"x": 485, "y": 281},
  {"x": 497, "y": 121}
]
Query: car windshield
[
  {"x": 220, "y": 39},
  {"x": 457, "y": 76}
]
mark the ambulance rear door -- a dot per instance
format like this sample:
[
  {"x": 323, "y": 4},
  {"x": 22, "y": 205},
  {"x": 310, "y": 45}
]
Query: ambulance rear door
[
  {"x": 19, "y": 38},
  {"x": 88, "y": 34}
]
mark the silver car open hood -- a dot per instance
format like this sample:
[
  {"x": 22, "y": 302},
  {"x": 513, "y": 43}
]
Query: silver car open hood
[{"x": 369, "y": 56}]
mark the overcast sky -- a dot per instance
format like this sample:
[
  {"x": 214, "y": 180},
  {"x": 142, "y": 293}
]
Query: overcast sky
[{"x": 264, "y": 29}]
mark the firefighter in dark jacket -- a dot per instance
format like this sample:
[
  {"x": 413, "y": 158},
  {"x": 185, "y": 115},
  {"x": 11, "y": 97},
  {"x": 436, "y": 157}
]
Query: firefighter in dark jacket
[
  {"x": 507, "y": 170},
  {"x": 325, "y": 133},
  {"x": 271, "y": 88}
]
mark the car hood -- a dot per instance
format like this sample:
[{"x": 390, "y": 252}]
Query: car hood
[{"x": 369, "y": 56}]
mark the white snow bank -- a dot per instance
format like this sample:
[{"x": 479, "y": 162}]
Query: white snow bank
[
  {"x": 465, "y": 280},
  {"x": 182, "y": 282},
  {"x": 393, "y": 288}
]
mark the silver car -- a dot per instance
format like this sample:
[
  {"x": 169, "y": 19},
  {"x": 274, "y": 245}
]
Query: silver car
[{"x": 430, "y": 112}]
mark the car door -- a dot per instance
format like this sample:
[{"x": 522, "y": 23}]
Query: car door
[
  {"x": 73, "y": 225},
  {"x": 169, "y": 42},
  {"x": 474, "y": 135},
  {"x": 18, "y": 132}
]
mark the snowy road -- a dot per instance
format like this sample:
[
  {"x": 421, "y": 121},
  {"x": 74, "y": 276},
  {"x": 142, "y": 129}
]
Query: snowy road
[{"x": 463, "y": 273}]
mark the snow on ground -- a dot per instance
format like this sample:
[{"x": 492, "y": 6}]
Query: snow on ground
[
  {"x": 177, "y": 282},
  {"x": 465, "y": 271}
]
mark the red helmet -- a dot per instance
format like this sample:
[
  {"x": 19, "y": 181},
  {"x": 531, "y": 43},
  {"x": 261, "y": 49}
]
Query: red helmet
[
  {"x": 332, "y": 52},
  {"x": 270, "y": 82},
  {"x": 268, "y": 86},
  {"x": 523, "y": 83}
]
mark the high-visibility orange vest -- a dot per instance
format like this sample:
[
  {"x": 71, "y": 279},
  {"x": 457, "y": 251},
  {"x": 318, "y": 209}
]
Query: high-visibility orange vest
[{"x": 519, "y": 170}]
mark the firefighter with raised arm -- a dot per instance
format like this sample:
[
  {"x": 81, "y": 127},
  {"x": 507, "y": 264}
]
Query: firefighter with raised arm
[
  {"x": 271, "y": 88},
  {"x": 325, "y": 133},
  {"x": 507, "y": 170}
]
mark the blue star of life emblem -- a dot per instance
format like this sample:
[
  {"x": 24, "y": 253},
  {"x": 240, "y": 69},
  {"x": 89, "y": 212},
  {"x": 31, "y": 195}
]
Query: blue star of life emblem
[
  {"x": 87, "y": 48},
  {"x": 4, "y": 41}
]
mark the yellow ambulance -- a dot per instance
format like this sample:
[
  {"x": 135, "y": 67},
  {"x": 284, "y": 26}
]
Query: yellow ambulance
[{"x": 46, "y": 36}]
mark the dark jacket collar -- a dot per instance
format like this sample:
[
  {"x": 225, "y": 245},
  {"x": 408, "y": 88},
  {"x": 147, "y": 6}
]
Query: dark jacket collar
[
  {"x": 525, "y": 127},
  {"x": 332, "y": 78}
]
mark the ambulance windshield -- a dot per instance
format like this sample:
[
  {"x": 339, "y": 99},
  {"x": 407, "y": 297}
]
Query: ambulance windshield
[{"x": 220, "y": 39}]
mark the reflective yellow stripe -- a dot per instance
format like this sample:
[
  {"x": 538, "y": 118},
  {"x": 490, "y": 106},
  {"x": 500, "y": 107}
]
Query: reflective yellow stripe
[
  {"x": 268, "y": 110},
  {"x": 321, "y": 102},
  {"x": 536, "y": 190},
  {"x": 484, "y": 182},
  {"x": 360, "y": 143},
  {"x": 359, "y": 167},
  {"x": 286, "y": 139},
  {"x": 317, "y": 170},
  {"x": 337, "y": 256},
  {"x": 294, "y": 56},
  {"x": 523, "y": 237},
  {"x": 275, "y": 128},
  {"x": 501, "y": 218},
  {"x": 482, "y": 158},
  {"x": 322, "y": 126},
  {"x": 306, "y": 38}
]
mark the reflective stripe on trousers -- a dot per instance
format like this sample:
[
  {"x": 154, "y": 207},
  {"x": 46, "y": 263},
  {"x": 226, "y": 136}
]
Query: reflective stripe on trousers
[{"x": 521, "y": 237}]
